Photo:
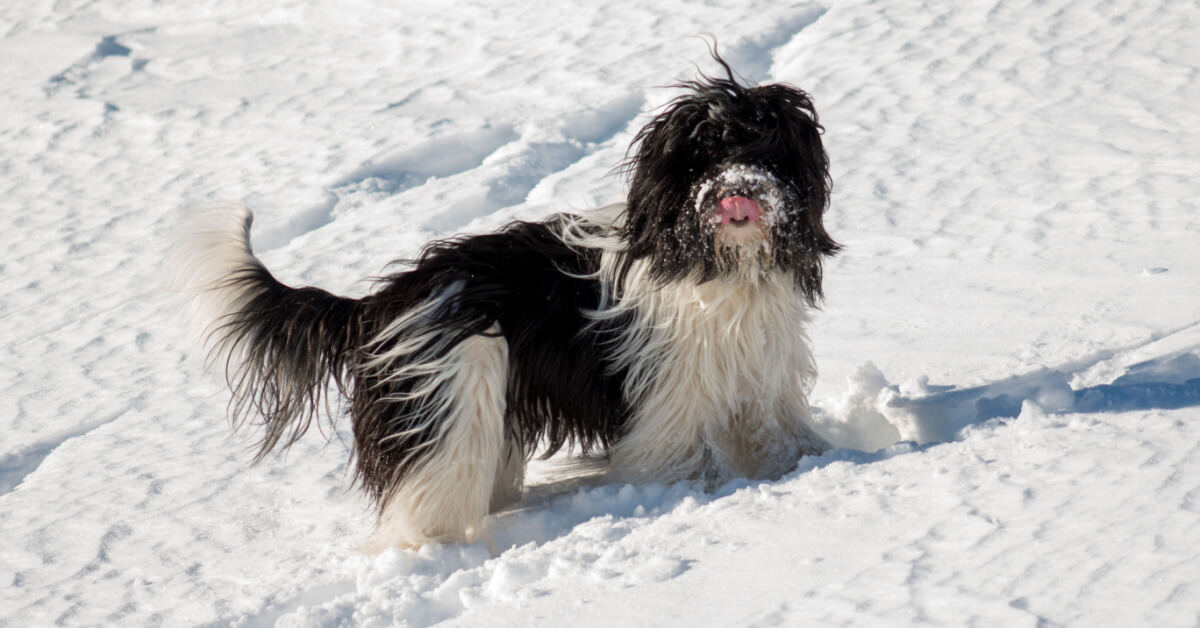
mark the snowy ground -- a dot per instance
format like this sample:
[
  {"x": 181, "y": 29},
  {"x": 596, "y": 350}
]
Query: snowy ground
[{"x": 1016, "y": 187}]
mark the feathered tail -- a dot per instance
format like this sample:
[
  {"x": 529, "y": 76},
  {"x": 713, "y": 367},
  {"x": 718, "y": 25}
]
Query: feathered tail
[{"x": 280, "y": 347}]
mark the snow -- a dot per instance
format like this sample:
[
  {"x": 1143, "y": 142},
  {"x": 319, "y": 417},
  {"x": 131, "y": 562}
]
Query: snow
[{"x": 1009, "y": 350}]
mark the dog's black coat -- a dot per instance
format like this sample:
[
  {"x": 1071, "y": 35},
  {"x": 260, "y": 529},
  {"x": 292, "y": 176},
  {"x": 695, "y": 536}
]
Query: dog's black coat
[{"x": 524, "y": 277}]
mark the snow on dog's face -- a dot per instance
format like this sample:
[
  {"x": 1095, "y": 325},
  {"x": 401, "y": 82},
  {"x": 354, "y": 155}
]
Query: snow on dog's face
[{"x": 731, "y": 180}]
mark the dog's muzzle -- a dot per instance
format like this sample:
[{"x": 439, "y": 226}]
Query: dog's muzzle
[{"x": 741, "y": 196}]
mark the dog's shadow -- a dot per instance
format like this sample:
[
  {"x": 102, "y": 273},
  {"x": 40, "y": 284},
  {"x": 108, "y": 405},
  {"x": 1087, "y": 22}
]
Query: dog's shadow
[
  {"x": 560, "y": 474},
  {"x": 1162, "y": 373},
  {"x": 567, "y": 491}
]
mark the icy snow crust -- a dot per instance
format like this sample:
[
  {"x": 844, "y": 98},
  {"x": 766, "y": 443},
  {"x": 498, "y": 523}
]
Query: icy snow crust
[{"x": 1010, "y": 347}]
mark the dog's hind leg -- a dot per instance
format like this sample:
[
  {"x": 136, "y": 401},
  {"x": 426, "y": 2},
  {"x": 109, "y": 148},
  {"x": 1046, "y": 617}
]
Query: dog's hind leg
[
  {"x": 473, "y": 462},
  {"x": 510, "y": 475}
]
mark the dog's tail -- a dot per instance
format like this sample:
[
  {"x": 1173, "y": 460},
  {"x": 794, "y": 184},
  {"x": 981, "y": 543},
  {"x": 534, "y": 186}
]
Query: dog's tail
[{"x": 280, "y": 347}]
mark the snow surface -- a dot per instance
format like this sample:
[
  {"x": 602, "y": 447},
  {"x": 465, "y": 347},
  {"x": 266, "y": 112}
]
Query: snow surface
[{"x": 1010, "y": 349}]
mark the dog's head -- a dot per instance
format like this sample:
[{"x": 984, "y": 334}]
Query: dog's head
[{"x": 731, "y": 180}]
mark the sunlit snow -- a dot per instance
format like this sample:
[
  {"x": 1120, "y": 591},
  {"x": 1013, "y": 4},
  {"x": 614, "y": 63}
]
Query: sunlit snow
[{"x": 1009, "y": 348}]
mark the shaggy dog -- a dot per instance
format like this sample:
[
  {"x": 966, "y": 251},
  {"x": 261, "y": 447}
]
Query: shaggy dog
[{"x": 667, "y": 333}]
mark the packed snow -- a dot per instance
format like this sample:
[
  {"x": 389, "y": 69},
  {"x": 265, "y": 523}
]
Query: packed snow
[{"x": 1009, "y": 350}]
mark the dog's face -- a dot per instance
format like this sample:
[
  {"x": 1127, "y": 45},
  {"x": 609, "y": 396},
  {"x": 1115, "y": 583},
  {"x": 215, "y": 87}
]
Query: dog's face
[{"x": 731, "y": 180}]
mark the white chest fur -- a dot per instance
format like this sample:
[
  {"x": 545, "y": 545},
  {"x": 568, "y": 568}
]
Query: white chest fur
[{"x": 719, "y": 375}]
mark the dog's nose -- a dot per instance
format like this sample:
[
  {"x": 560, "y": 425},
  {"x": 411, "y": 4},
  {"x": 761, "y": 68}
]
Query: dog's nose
[{"x": 738, "y": 209}]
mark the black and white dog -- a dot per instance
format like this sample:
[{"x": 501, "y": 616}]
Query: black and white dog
[{"x": 667, "y": 333}]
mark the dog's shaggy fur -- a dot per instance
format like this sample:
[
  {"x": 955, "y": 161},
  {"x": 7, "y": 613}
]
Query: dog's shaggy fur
[{"x": 667, "y": 333}]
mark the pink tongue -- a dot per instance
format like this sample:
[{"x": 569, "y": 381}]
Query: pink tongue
[{"x": 738, "y": 209}]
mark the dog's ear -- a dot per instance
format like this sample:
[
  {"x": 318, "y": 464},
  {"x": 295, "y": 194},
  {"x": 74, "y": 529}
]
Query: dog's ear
[
  {"x": 791, "y": 141},
  {"x": 666, "y": 152},
  {"x": 668, "y": 156},
  {"x": 791, "y": 132}
]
